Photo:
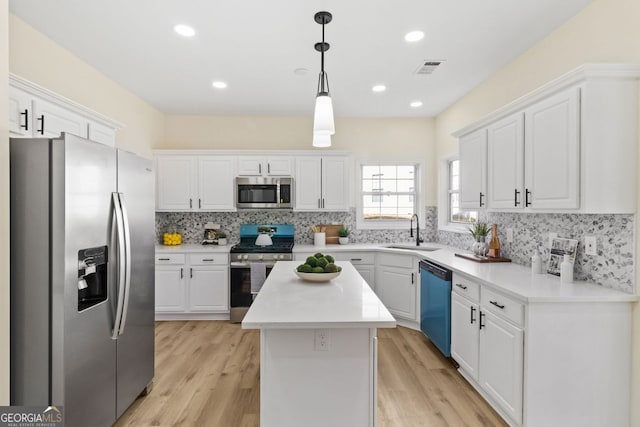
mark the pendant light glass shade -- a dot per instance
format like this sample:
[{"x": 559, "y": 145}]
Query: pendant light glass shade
[
  {"x": 321, "y": 140},
  {"x": 323, "y": 116}
]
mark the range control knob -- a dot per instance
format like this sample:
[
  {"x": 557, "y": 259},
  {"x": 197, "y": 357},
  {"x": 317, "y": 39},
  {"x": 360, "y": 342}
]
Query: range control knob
[{"x": 246, "y": 256}]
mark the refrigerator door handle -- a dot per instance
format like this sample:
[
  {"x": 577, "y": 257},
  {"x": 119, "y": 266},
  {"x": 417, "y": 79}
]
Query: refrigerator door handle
[
  {"x": 127, "y": 271},
  {"x": 121, "y": 263}
]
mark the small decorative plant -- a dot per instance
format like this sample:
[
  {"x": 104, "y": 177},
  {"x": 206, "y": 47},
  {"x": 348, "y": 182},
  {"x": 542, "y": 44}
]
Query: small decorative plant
[
  {"x": 479, "y": 230},
  {"x": 343, "y": 235},
  {"x": 222, "y": 238},
  {"x": 344, "y": 232}
]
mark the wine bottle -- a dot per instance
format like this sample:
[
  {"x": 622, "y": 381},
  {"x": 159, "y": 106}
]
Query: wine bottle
[{"x": 494, "y": 243}]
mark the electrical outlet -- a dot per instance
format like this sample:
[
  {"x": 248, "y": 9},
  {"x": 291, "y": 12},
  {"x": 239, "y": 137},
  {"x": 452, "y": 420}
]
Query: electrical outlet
[
  {"x": 551, "y": 237},
  {"x": 321, "y": 339},
  {"x": 509, "y": 235},
  {"x": 590, "y": 245}
]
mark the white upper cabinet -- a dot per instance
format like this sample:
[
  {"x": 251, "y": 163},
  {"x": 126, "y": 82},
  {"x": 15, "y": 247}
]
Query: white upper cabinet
[
  {"x": 215, "y": 183},
  {"x": 176, "y": 181},
  {"x": 36, "y": 112},
  {"x": 569, "y": 146},
  {"x": 552, "y": 135},
  {"x": 261, "y": 166},
  {"x": 505, "y": 151},
  {"x": 195, "y": 183},
  {"x": 321, "y": 183},
  {"x": 20, "y": 113},
  {"x": 473, "y": 170}
]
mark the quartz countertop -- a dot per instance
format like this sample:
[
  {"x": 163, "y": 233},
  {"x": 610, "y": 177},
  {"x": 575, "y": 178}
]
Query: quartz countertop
[
  {"x": 287, "y": 302},
  {"x": 193, "y": 248},
  {"x": 512, "y": 279}
]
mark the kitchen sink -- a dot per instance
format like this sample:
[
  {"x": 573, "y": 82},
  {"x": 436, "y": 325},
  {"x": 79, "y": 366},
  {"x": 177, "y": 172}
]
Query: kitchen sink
[{"x": 413, "y": 248}]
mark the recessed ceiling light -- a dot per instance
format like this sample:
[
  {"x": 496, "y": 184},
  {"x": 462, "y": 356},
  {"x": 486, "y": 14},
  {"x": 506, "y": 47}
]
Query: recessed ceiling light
[
  {"x": 416, "y": 104},
  {"x": 184, "y": 30},
  {"x": 219, "y": 85},
  {"x": 300, "y": 71},
  {"x": 379, "y": 88},
  {"x": 414, "y": 36}
]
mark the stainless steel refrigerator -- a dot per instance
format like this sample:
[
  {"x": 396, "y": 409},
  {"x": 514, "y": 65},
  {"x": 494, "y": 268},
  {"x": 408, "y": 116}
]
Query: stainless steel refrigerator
[{"x": 82, "y": 278}]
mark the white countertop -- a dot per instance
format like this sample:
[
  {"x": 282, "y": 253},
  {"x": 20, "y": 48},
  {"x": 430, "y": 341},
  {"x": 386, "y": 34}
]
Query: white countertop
[
  {"x": 366, "y": 247},
  {"x": 193, "y": 248},
  {"x": 287, "y": 302}
]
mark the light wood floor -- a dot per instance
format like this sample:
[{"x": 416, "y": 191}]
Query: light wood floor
[{"x": 207, "y": 374}]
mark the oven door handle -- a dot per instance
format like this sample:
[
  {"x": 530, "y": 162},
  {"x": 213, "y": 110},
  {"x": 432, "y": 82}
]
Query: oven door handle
[{"x": 235, "y": 264}]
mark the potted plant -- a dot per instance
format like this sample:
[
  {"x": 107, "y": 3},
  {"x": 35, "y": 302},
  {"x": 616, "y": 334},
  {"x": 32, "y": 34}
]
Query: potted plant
[
  {"x": 479, "y": 231},
  {"x": 343, "y": 235},
  {"x": 222, "y": 238}
]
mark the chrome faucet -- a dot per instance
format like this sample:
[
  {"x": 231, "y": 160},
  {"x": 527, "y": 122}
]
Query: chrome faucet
[{"x": 418, "y": 239}]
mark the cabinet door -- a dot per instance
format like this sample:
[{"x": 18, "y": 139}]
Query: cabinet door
[
  {"x": 505, "y": 164},
  {"x": 215, "y": 183},
  {"x": 102, "y": 134},
  {"x": 334, "y": 184},
  {"x": 250, "y": 166},
  {"x": 170, "y": 291},
  {"x": 368, "y": 273},
  {"x": 208, "y": 289},
  {"x": 279, "y": 166},
  {"x": 175, "y": 183},
  {"x": 20, "y": 113},
  {"x": 308, "y": 183},
  {"x": 396, "y": 287},
  {"x": 473, "y": 170},
  {"x": 465, "y": 344},
  {"x": 50, "y": 120},
  {"x": 501, "y": 363},
  {"x": 552, "y": 142}
]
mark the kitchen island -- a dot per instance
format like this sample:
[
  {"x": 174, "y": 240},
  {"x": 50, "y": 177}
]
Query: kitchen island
[{"x": 318, "y": 348}]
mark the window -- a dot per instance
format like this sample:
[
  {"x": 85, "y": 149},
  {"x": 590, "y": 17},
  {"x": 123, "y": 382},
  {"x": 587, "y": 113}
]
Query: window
[
  {"x": 456, "y": 215},
  {"x": 389, "y": 194}
]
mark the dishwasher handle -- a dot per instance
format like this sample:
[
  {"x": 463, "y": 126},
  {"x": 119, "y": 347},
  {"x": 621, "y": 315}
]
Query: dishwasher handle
[{"x": 436, "y": 270}]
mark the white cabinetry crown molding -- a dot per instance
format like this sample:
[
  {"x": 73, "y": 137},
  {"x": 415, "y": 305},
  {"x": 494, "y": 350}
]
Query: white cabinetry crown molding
[
  {"x": 187, "y": 152},
  {"x": 574, "y": 77},
  {"x": 48, "y": 95}
]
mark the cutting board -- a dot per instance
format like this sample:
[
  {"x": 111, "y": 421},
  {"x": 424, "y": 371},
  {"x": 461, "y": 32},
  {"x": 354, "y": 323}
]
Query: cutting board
[
  {"x": 332, "y": 233},
  {"x": 474, "y": 258}
]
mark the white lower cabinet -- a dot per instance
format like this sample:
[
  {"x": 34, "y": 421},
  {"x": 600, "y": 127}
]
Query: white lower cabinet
[
  {"x": 191, "y": 285},
  {"x": 488, "y": 343},
  {"x": 363, "y": 262},
  {"x": 465, "y": 334},
  {"x": 398, "y": 284},
  {"x": 501, "y": 368},
  {"x": 170, "y": 292}
]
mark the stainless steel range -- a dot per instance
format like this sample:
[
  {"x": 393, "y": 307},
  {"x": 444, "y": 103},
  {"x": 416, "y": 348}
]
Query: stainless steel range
[{"x": 247, "y": 256}]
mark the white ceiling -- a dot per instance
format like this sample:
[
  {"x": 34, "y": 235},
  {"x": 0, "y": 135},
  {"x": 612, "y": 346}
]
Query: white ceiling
[{"x": 256, "y": 45}]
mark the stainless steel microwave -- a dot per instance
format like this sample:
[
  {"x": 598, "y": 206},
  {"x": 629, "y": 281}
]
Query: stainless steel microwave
[{"x": 264, "y": 192}]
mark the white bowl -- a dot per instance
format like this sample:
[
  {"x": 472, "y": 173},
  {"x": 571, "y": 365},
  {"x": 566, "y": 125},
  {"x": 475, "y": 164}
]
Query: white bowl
[{"x": 317, "y": 277}]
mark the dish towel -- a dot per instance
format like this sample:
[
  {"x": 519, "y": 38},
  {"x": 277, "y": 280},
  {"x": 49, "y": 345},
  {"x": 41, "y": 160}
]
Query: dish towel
[{"x": 258, "y": 276}]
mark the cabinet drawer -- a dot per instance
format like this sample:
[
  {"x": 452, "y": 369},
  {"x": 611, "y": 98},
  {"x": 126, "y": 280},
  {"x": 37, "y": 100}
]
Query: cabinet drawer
[
  {"x": 208, "y": 259},
  {"x": 502, "y": 306},
  {"x": 466, "y": 287},
  {"x": 395, "y": 260},
  {"x": 170, "y": 259},
  {"x": 356, "y": 257}
]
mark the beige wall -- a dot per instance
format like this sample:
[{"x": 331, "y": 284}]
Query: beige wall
[
  {"x": 4, "y": 206},
  {"x": 367, "y": 138},
  {"x": 37, "y": 58},
  {"x": 606, "y": 31}
]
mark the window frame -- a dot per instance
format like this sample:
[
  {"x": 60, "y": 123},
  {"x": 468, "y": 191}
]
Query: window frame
[
  {"x": 363, "y": 224},
  {"x": 444, "y": 207}
]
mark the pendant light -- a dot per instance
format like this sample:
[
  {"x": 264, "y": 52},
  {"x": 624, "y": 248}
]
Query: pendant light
[{"x": 323, "y": 126}]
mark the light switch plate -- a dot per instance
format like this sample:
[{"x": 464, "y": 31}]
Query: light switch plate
[
  {"x": 509, "y": 235},
  {"x": 590, "y": 245}
]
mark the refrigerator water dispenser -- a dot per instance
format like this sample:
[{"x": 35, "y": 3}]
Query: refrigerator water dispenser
[{"x": 92, "y": 277}]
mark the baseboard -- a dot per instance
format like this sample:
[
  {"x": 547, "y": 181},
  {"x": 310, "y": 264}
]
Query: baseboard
[{"x": 191, "y": 316}]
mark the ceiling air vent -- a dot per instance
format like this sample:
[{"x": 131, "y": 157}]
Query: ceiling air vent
[{"x": 428, "y": 66}]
